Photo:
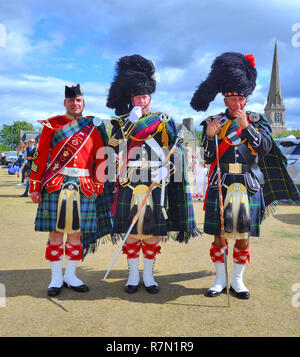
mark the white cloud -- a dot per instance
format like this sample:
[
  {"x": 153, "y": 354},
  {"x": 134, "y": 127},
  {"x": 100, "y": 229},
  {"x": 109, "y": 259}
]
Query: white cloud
[{"x": 182, "y": 37}]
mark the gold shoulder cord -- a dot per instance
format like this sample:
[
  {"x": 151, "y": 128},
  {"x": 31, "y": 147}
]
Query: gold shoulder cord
[
  {"x": 222, "y": 135},
  {"x": 159, "y": 128}
]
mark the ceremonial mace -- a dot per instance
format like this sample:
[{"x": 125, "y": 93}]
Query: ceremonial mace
[
  {"x": 222, "y": 217},
  {"x": 136, "y": 217}
]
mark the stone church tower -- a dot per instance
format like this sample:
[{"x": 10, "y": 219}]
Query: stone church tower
[{"x": 275, "y": 109}]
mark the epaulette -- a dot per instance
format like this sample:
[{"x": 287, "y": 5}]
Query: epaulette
[
  {"x": 118, "y": 120},
  {"x": 96, "y": 121},
  {"x": 50, "y": 121}
]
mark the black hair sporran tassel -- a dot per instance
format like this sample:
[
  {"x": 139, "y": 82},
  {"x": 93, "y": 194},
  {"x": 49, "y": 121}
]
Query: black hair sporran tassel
[
  {"x": 228, "y": 217},
  {"x": 243, "y": 221},
  {"x": 62, "y": 214},
  {"x": 75, "y": 222},
  {"x": 149, "y": 221}
]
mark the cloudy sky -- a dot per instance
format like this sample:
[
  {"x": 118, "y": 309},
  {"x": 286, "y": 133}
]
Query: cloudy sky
[{"x": 45, "y": 45}]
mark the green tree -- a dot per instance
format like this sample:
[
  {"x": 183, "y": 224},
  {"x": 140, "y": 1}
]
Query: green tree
[
  {"x": 295, "y": 132},
  {"x": 199, "y": 136},
  {"x": 10, "y": 134}
]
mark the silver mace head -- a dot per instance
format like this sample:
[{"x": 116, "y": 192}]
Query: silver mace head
[{"x": 180, "y": 138}]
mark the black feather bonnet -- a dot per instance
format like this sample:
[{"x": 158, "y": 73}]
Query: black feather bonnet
[
  {"x": 134, "y": 75},
  {"x": 231, "y": 74}
]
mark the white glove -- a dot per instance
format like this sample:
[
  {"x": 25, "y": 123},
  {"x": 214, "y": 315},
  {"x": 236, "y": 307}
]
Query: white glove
[
  {"x": 135, "y": 114},
  {"x": 159, "y": 174}
]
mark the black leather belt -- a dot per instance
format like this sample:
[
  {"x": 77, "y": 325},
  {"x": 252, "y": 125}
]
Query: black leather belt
[{"x": 234, "y": 168}]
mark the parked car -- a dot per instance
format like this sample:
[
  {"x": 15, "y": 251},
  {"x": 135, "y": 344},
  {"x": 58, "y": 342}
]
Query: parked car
[
  {"x": 290, "y": 146},
  {"x": 11, "y": 157}
]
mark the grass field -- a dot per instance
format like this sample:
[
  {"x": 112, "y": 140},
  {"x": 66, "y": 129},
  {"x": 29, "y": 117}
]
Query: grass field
[{"x": 184, "y": 272}]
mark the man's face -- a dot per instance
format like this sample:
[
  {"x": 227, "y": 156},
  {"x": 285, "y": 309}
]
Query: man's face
[
  {"x": 74, "y": 106},
  {"x": 235, "y": 103},
  {"x": 31, "y": 142},
  {"x": 143, "y": 101}
]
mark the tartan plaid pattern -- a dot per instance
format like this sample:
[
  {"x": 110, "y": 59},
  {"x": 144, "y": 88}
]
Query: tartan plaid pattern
[
  {"x": 67, "y": 131},
  {"x": 102, "y": 131},
  {"x": 212, "y": 223},
  {"x": 278, "y": 183},
  {"x": 104, "y": 220},
  {"x": 47, "y": 211},
  {"x": 121, "y": 222},
  {"x": 179, "y": 205},
  {"x": 278, "y": 186}
]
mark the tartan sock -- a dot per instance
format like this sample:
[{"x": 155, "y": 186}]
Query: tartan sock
[
  {"x": 149, "y": 251},
  {"x": 53, "y": 254},
  {"x": 73, "y": 255},
  {"x": 132, "y": 250},
  {"x": 73, "y": 251},
  {"x": 216, "y": 253},
  {"x": 241, "y": 256}
]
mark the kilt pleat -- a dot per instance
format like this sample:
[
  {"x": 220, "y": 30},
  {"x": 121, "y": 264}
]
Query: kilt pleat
[
  {"x": 47, "y": 211},
  {"x": 212, "y": 223},
  {"x": 121, "y": 222}
]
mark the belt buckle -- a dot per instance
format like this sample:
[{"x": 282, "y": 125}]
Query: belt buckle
[
  {"x": 74, "y": 171},
  {"x": 235, "y": 168},
  {"x": 144, "y": 164}
]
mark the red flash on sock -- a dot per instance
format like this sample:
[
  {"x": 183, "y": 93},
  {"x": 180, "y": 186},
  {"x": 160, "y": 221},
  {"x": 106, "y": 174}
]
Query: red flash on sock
[{"x": 73, "y": 251}]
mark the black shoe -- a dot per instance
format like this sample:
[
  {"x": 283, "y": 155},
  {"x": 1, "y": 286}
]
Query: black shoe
[
  {"x": 24, "y": 195},
  {"x": 131, "y": 289},
  {"x": 152, "y": 289},
  {"x": 54, "y": 291},
  {"x": 214, "y": 293},
  {"x": 241, "y": 295},
  {"x": 80, "y": 289}
]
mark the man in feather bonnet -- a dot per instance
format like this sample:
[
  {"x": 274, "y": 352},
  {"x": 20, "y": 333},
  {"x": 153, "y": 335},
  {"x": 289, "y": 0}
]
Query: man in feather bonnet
[
  {"x": 253, "y": 171},
  {"x": 144, "y": 140}
]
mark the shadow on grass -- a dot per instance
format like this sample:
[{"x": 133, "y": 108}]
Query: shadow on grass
[
  {"x": 34, "y": 282},
  {"x": 13, "y": 196},
  {"x": 9, "y": 184},
  {"x": 288, "y": 218}
]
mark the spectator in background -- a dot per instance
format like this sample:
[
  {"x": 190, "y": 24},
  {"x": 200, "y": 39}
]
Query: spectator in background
[
  {"x": 21, "y": 153},
  {"x": 200, "y": 176},
  {"x": 30, "y": 151}
]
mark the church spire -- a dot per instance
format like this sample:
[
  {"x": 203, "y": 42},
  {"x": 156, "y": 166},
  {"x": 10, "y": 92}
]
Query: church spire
[
  {"x": 274, "y": 109},
  {"x": 275, "y": 95}
]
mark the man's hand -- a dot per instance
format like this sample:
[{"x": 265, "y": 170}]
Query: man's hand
[
  {"x": 241, "y": 116},
  {"x": 36, "y": 197},
  {"x": 213, "y": 127},
  {"x": 135, "y": 114}
]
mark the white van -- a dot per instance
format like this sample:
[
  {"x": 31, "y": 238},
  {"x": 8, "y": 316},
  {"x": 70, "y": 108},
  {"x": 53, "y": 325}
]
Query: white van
[
  {"x": 290, "y": 146},
  {"x": 11, "y": 157}
]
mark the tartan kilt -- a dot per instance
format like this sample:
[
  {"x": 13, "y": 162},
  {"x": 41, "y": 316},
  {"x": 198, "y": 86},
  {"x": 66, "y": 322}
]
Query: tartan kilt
[
  {"x": 121, "y": 221},
  {"x": 47, "y": 211},
  {"x": 212, "y": 223}
]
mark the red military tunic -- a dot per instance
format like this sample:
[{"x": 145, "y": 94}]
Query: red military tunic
[{"x": 86, "y": 158}]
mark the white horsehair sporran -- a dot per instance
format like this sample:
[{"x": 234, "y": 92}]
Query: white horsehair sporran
[{"x": 236, "y": 212}]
